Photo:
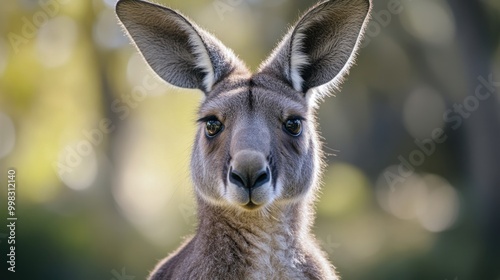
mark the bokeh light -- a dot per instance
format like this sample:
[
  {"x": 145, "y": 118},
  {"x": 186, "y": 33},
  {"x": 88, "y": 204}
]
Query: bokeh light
[
  {"x": 440, "y": 209},
  {"x": 438, "y": 28},
  {"x": 346, "y": 190},
  {"x": 428, "y": 199},
  {"x": 56, "y": 41}
]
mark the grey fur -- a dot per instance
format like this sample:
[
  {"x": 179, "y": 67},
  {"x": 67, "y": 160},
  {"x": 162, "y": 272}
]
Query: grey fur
[{"x": 255, "y": 183}]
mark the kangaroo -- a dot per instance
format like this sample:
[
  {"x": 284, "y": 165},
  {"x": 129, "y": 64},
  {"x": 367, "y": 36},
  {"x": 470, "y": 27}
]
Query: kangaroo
[{"x": 257, "y": 158}]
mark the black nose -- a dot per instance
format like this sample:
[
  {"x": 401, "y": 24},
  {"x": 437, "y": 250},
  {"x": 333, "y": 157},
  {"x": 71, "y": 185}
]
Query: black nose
[{"x": 249, "y": 179}]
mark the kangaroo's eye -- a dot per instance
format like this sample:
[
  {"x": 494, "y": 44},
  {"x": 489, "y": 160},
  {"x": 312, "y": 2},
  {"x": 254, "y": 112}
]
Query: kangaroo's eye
[
  {"x": 213, "y": 127},
  {"x": 293, "y": 126}
]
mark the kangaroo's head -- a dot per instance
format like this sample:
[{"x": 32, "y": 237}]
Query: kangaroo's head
[{"x": 256, "y": 143}]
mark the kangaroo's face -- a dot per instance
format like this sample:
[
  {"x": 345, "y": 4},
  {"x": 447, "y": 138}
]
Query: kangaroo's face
[{"x": 256, "y": 143}]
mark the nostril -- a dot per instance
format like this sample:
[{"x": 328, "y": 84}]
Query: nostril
[
  {"x": 237, "y": 179},
  {"x": 262, "y": 178}
]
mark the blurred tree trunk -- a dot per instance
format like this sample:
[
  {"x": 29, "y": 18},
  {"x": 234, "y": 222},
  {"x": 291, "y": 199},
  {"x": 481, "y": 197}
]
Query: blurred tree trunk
[{"x": 482, "y": 131}]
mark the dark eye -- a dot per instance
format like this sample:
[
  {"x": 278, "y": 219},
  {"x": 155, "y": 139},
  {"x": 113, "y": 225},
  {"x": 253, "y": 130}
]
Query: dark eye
[
  {"x": 293, "y": 126},
  {"x": 213, "y": 128}
]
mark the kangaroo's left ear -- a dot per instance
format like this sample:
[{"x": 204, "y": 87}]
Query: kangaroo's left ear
[
  {"x": 321, "y": 47},
  {"x": 177, "y": 49}
]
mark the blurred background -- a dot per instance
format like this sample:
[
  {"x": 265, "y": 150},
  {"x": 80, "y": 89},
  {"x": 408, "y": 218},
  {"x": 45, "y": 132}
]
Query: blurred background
[{"x": 101, "y": 146}]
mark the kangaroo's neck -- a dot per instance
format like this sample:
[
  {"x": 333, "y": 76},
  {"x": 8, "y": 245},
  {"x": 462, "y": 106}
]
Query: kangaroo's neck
[{"x": 243, "y": 239}]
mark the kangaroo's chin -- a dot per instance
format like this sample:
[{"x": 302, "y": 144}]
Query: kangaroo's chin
[{"x": 250, "y": 199}]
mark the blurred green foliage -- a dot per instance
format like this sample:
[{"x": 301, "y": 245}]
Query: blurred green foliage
[{"x": 102, "y": 170}]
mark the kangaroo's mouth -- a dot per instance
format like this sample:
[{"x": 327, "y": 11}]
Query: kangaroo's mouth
[
  {"x": 251, "y": 206},
  {"x": 250, "y": 199}
]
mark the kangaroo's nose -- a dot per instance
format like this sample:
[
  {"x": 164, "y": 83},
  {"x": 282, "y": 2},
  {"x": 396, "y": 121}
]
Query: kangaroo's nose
[{"x": 249, "y": 170}]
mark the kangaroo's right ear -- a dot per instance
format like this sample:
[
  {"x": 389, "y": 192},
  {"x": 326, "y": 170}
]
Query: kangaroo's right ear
[
  {"x": 321, "y": 47},
  {"x": 180, "y": 52}
]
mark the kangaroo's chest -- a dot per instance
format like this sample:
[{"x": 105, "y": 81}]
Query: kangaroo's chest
[{"x": 277, "y": 258}]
